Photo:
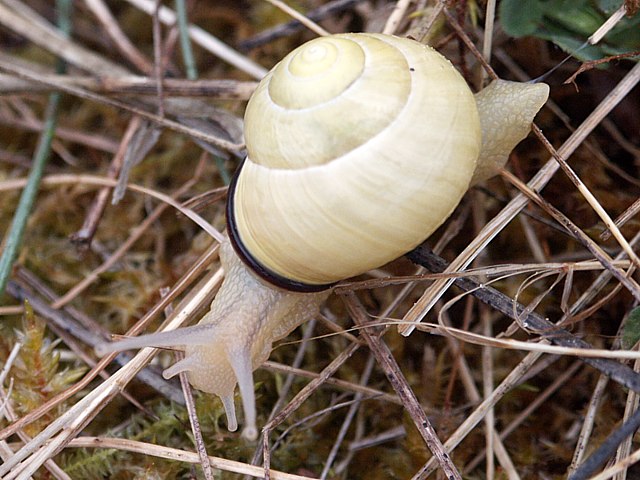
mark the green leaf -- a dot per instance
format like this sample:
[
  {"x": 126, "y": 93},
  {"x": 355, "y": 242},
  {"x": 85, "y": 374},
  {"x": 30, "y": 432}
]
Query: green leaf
[
  {"x": 574, "y": 17},
  {"x": 572, "y": 45},
  {"x": 569, "y": 23},
  {"x": 631, "y": 331},
  {"x": 608, "y": 6},
  {"x": 519, "y": 20}
]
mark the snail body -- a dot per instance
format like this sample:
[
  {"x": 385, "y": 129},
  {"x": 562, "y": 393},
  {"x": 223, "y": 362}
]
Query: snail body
[{"x": 359, "y": 146}]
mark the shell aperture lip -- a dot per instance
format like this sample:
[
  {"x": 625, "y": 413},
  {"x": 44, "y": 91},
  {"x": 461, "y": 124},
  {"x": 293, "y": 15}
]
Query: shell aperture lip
[{"x": 250, "y": 260}]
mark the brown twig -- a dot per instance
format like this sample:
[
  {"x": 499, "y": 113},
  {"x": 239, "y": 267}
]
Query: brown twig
[
  {"x": 177, "y": 455},
  {"x": 623, "y": 218},
  {"x": 590, "y": 65},
  {"x": 130, "y": 85},
  {"x": 598, "y": 253},
  {"x": 81, "y": 93},
  {"x": 293, "y": 405},
  {"x": 195, "y": 423},
  {"x": 122, "y": 42},
  {"x": 83, "y": 237},
  {"x": 401, "y": 386},
  {"x": 279, "y": 31}
]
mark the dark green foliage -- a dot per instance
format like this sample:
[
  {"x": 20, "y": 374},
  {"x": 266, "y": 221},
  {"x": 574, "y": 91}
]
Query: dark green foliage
[
  {"x": 569, "y": 23},
  {"x": 631, "y": 332}
]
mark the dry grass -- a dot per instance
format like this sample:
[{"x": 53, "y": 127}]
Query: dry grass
[{"x": 495, "y": 381}]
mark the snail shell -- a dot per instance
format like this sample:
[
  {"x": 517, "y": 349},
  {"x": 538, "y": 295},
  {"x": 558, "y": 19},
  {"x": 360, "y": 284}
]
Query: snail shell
[{"x": 359, "y": 147}]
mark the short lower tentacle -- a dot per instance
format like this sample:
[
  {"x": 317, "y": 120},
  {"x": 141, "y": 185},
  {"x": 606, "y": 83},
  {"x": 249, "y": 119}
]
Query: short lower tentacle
[{"x": 241, "y": 363}]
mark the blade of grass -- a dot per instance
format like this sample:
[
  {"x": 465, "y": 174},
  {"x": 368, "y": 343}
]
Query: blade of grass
[
  {"x": 192, "y": 69},
  {"x": 43, "y": 151},
  {"x": 185, "y": 43},
  {"x": 16, "y": 231},
  {"x": 205, "y": 40}
]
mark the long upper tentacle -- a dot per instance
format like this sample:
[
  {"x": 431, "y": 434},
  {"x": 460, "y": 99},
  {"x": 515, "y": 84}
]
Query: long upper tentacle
[{"x": 195, "y": 335}]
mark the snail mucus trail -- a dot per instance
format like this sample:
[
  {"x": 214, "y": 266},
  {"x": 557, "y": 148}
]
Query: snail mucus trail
[{"x": 359, "y": 147}]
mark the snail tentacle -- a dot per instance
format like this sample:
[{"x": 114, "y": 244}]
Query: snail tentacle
[
  {"x": 243, "y": 369},
  {"x": 194, "y": 335}
]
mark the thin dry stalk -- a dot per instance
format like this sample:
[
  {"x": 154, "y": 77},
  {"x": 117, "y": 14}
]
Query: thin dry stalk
[
  {"x": 67, "y": 426},
  {"x": 28, "y": 24},
  {"x": 623, "y": 218},
  {"x": 425, "y": 28},
  {"x": 15, "y": 310},
  {"x": 588, "y": 424},
  {"x": 480, "y": 412},
  {"x": 596, "y": 250},
  {"x": 195, "y": 423},
  {"x": 158, "y": 119},
  {"x": 487, "y": 387},
  {"x": 304, "y": 20},
  {"x": 537, "y": 183},
  {"x": 158, "y": 57},
  {"x": 204, "y": 39},
  {"x": 619, "y": 467},
  {"x": 532, "y": 241},
  {"x": 83, "y": 237},
  {"x": 630, "y": 408},
  {"x": 607, "y": 26},
  {"x": 304, "y": 394},
  {"x": 125, "y": 85},
  {"x": 539, "y": 402},
  {"x": 397, "y": 15},
  {"x": 346, "y": 423},
  {"x": 177, "y": 455},
  {"x": 596, "y": 206},
  {"x": 400, "y": 385},
  {"x": 99, "y": 142},
  {"x": 336, "y": 382},
  {"x": 594, "y": 289},
  {"x": 122, "y": 42},
  {"x": 102, "y": 181},
  {"x": 475, "y": 398},
  {"x": 284, "y": 29}
]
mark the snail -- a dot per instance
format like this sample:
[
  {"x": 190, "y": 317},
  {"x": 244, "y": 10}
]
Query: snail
[{"x": 358, "y": 147}]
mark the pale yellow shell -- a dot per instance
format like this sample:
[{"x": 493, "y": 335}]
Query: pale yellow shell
[{"x": 359, "y": 147}]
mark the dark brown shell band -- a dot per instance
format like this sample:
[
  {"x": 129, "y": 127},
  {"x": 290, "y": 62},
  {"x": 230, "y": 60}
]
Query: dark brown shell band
[{"x": 248, "y": 259}]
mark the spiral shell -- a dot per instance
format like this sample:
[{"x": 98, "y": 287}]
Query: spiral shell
[{"x": 359, "y": 147}]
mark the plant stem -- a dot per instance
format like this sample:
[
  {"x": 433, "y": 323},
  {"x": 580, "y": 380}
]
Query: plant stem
[{"x": 43, "y": 150}]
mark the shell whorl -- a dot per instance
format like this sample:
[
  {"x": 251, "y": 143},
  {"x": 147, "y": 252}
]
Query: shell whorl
[
  {"x": 314, "y": 100},
  {"x": 343, "y": 179}
]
